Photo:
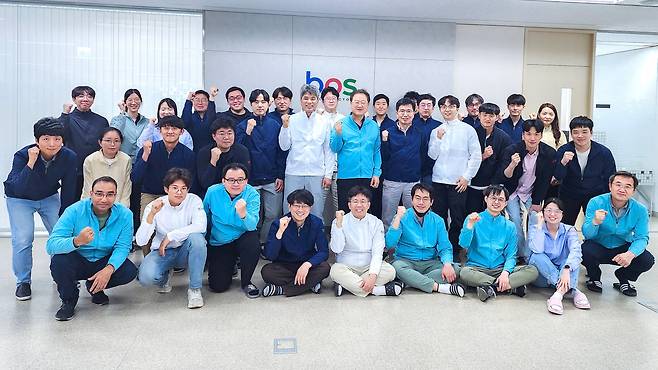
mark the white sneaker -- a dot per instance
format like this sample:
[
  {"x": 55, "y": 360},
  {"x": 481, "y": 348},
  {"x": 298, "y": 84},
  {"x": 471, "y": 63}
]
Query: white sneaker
[
  {"x": 194, "y": 298},
  {"x": 167, "y": 287}
]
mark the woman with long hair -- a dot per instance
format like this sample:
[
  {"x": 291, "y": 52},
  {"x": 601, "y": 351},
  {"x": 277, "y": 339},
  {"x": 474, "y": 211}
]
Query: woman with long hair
[{"x": 552, "y": 136}]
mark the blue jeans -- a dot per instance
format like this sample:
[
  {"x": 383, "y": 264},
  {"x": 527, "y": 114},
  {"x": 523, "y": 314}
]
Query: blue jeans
[
  {"x": 515, "y": 215},
  {"x": 549, "y": 273},
  {"x": 192, "y": 253},
  {"x": 21, "y": 220}
]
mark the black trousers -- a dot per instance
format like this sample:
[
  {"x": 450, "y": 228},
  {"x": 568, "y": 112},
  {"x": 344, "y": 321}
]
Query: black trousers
[
  {"x": 221, "y": 260},
  {"x": 67, "y": 269},
  {"x": 474, "y": 201},
  {"x": 446, "y": 198},
  {"x": 572, "y": 207},
  {"x": 344, "y": 185},
  {"x": 135, "y": 204},
  {"x": 283, "y": 274},
  {"x": 594, "y": 254}
]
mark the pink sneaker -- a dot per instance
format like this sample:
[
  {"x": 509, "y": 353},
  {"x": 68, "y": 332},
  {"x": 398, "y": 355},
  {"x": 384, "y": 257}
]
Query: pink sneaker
[{"x": 581, "y": 301}]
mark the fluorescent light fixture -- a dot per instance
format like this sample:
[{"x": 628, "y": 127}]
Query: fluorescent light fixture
[{"x": 588, "y": 1}]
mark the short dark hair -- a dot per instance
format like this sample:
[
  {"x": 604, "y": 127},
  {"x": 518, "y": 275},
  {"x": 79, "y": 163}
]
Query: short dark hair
[
  {"x": 581, "y": 122},
  {"x": 359, "y": 190},
  {"x": 300, "y": 196},
  {"x": 109, "y": 129},
  {"x": 449, "y": 99},
  {"x": 496, "y": 189},
  {"x": 104, "y": 179},
  {"x": 516, "y": 99},
  {"x": 235, "y": 166},
  {"x": 129, "y": 92},
  {"x": 234, "y": 88},
  {"x": 427, "y": 96},
  {"x": 533, "y": 123},
  {"x": 558, "y": 202},
  {"x": 173, "y": 121},
  {"x": 221, "y": 122},
  {"x": 422, "y": 187},
  {"x": 361, "y": 91},
  {"x": 283, "y": 90},
  {"x": 202, "y": 92},
  {"x": 170, "y": 103},
  {"x": 81, "y": 90},
  {"x": 380, "y": 96},
  {"x": 413, "y": 95},
  {"x": 176, "y": 173},
  {"x": 473, "y": 97},
  {"x": 489, "y": 108},
  {"x": 624, "y": 174},
  {"x": 405, "y": 101},
  {"x": 50, "y": 126},
  {"x": 327, "y": 90},
  {"x": 256, "y": 92}
]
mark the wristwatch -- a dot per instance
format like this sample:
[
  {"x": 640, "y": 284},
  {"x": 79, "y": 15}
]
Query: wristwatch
[{"x": 567, "y": 267}]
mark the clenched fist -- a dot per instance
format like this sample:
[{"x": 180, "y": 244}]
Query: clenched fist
[
  {"x": 473, "y": 218},
  {"x": 67, "y": 107},
  {"x": 339, "y": 218},
  {"x": 122, "y": 106},
  {"x": 157, "y": 206},
  {"x": 566, "y": 158},
  {"x": 32, "y": 156},
  {"x": 215, "y": 153},
  {"x": 251, "y": 123},
  {"x": 401, "y": 211},
  {"x": 599, "y": 216},
  {"x": 285, "y": 120},
  {"x": 488, "y": 152},
  {"x": 440, "y": 132},
  {"x": 385, "y": 135},
  {"x": 241, "y": 208},
  {"x": 339, "y": 127},
  {"x": 148, "y": 145},
  {"x": 213, "y": 92},
  {"x": 516, "y": 159},
  {"x": 85, "y": 237}
]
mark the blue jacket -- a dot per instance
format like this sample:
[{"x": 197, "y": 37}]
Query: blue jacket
[
  {"x": 594, "y": 181},
  {"x": 358, "y": 149},
  {"x": 151, "y": 173},
  {"x": 386, "y": 123},
  {"x": 426, "y": 127},
  {"x": 277, "y": 116},
  {"x": 199, "y": 128},
  {"x": 498, "y": 140},
  {"x": 114, "y": 239},
  {"x": 474, "y": 122},
  {"x": 268, "y": 161},
  {"x": 491, "y": 244},
  {"x": 402, "y": 154},
  {"x": 565, "y": 249},
  {"x": 632, "y": 227},
  {"x": 223, "y": 221},
  {"x": 417, "y": 242},
  {"x": 81, "y": 133},
  {"x": 39, "y": 183},
  {"x": 233, "y": 117},
  {"x": 305, "y": 244},
  {"x": 515, "y": 132}
]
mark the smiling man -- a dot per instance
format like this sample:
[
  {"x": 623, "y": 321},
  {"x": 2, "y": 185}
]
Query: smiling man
[
  {"x": 473, "y": 103},
  {"x": 198, "y": 122},
  {"x": 282, "y": 98},
  {"x": 236, "y": 111},
  {"x": 513, "y": 124}
]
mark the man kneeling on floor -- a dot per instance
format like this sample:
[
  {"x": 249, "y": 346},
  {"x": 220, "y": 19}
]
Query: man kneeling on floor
[
  {"x": 423, "y": 253},
  {"x": 490, "y": 241},
  {"x": 297, "y": 247},
  {"x": 90, "y": 242},
  {"x": 179, "y": 221},
  {"x": 357, "y": 238}
]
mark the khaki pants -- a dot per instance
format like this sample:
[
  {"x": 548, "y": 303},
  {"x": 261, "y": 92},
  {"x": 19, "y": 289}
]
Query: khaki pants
[
  {"x": 477, "y": 276},
  {"x": 350, "y": 277},
  {"x": 144, "y": 201}
]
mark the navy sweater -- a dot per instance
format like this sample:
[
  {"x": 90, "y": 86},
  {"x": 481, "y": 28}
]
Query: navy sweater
[
  {"x": 386, "y": 123},
  {"x": 199, "y": 128},
  {"x": 39, "y": 183},
  {"x": 235, "y": 118},
  {"x": 473, "y": 121},
  {"x": 151, "y": 173},
  {"x": 515, "y": 132},
  {"x": 81, "y": 133},
  {"x": 426, "y": 127},
  {"x": 498, "y": 140},
  {"x": 268, "y": 161},
  {"x": 594, "y": 181},
  {"x": 543, "y": 170},
  {"x": 402, "y": 154},
  {"x": 208, "y": 174},
  {"x": 277, "y": 116},
  {"x": 305, "y": 244}
]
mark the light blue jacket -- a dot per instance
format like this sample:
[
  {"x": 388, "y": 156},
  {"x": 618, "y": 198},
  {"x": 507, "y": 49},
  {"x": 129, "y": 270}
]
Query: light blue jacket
[
  {"x": 417, "y": 242},
  {"x": 563, "y": 250},
  {"x": 225, "y": 224},
  {"x": 491, "y": 244},
  {"x": 115, "y": 238},
  {"x": 359, "y": 150},
  {"x": 632, "y": 227}
]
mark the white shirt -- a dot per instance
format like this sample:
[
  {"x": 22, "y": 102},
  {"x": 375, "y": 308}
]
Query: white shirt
[
  {"x": 582, "y": 159},
  {"x": 359, "y": 242},
  {"x": 457, "y": 154},
  {"x": 307, "y": 138},
  {"x": 176, "y": 223}
]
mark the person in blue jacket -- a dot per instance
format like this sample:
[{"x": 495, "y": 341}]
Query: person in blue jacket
[
  {"x": 424, "y": 122},
  {"x": 36, "y": 174},
  {"x": 616, "y": 231},
  {"x": 298, "y": 249},
  {"x": 91, "y": 242},
  {"x": 282, "y": 96},
  {"x": 583, "y": 167},
  {"x": 513, "y": 124},
  {"x": 198, "y": 122}
]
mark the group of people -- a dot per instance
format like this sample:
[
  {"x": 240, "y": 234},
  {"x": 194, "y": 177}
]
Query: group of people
[{"x": 445, "y": 202}]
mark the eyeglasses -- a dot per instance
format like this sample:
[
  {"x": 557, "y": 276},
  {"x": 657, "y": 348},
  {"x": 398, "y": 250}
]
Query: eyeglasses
[
  {"x": 225, "y": 133},
  {"x": 359, "y": 201},
  {"x": 497, "y": 199},
  {"x": 446, "y": 106},
  {"x": 176, "y": 189},
  {"x": 235, "y": 98},
  {"x": 301, "y": 206},
  {"x": 239, "y": 180},
  {"x": 552, "y": 211},
  {"x": 421, "y": 199},
  {"x": 101, "y": 195},
  {"x": 110, "y": 141}
]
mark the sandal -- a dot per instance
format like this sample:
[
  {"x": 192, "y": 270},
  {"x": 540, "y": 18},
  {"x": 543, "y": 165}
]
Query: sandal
[
  {"x": 554, "y": 305},
  {"x": 580, "y": 300}
]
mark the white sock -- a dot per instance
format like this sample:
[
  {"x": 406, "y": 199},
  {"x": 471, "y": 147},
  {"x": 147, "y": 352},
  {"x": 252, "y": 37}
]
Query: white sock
[
  {"x": 558, "y": 295},
  {"x": 444, "y": 288},
  {"x": 379, "y": 290}
]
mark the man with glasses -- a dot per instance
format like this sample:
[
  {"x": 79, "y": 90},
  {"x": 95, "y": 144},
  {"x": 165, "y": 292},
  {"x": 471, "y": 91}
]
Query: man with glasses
[
  {"x": 198, "y": 122},
  {"x": 236, "y": 111},
  {"x": 282, "y": 97},
  {"x": 616, "y": 231},
  {"x": 178, "y": 221},
  {"x": 473, "y": 103},
  {"x": 456, "y": 150},
  {"x": 91, "y": 242},
  {"x": 232, "y": 208},
  {"x": 424, "y": 122},
  {"x": 490, "y": 241},
  {"x": 298, "y": 249}
]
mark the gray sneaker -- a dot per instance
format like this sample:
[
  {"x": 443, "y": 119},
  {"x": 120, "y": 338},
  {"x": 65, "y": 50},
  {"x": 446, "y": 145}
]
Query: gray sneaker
[
  {"x": 485, "y": 292},
  {"x": 167, "y": 287},
  {"x": 194, "y": 298}
]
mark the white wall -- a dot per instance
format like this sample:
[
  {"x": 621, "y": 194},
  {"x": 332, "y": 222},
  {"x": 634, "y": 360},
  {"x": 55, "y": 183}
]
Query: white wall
[{"x": 46, "y": 51}]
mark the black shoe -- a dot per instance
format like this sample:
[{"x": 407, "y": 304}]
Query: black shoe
[
  {"x": 457, "y": 289},
  {"x": 251, "y": 291},
  {"x": 519, "y": 291},
  {"x": 99, "y": 298},
  {"x": 66, "y": 311},
  {"x": 626, "y": 289},
  {"x": 23, "y": 292},
  {"x": 338, "y": 289},
  {"x": 235, "y": 271},
  {"x": 594, "y": 286},
  {"x": 179, "y": 270},
  {"x": 317, "y": 288},
  {"x": 485, "y": 292}
]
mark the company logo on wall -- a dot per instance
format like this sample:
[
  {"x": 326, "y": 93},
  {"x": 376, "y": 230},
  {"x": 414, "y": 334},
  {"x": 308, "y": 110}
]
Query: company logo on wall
[{"x": 345, "y": 87}]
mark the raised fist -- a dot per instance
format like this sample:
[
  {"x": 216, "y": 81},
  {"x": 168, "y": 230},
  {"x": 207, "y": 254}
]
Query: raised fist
[
  {"x": 283, "y": 222},
  {"x": 251, "y": 123},
  {"x": 215, "y": 153},
  {"x": 566, "y": 158},
  {"x": 516, "y": 159},
  {"x": 385, "y": 135},
  {"x": 440, "y": 132},
  {"x": 85, "y": 237},
  {"x": 213, "y": 91},
  {"x": 122, "y": 106},
  {"x": 339, "y": 127},
  {"x": 190, "y": 95},
  {"x": 339, "y": 218},
  {"x": 33, "y": 154},
  {"x": 157, "y": 206},
  {"x": 472, "y": 219},
  {"x": 401, "y": 211},
  {"x": 488, "y": 152},
  {"x": 67, "y": 107},
  {"x": 241, "y": 208},
  {"x": 599, "y": 216},
  {"x": 285, "y": 120}
]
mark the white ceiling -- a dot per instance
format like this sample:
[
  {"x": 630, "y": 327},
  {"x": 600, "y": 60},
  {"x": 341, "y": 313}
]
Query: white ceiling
[{"x": 627, "y": 16}]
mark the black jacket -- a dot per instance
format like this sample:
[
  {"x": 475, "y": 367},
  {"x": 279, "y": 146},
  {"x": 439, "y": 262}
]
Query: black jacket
[
  {"x": 543, "y": 170},
  {"x": 498, "y": 140},
  {"x": 594, "y": 180}
]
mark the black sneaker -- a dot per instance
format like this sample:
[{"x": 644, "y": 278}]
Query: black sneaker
[
  {"x": 23, "y": 292},
  {"x": 626, "y": 289},
  {"x": 270, "y": 290},
  {"x": 99, "y": 298},
  {"x": 251, "y": 291},
  {"x": 338, "y": 289},
  {"x": 486, "y": 292},
  {"x": 594, "y": 286},
  {"x": 457, "y": 289},
  {"x": 317, "y": 288},
  {"x": 519, "y": 291},
  {"x": 179, "y": 270},
  {"x": 66, "y": 311}
]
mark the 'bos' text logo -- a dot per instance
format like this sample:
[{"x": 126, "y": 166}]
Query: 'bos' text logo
[{"x": 346, "y": 86}]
